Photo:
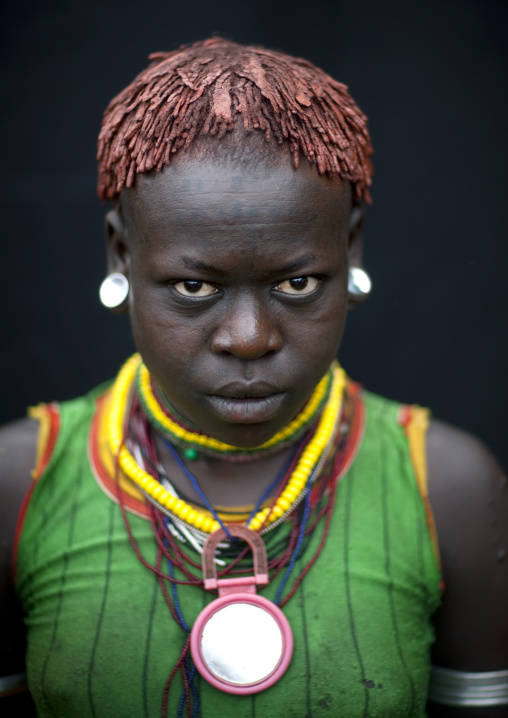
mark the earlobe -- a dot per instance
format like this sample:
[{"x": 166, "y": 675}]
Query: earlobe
[
  {"x": 359, "y": 283},
  {"x": 355, "y": 236},
  {"x": 114, "y": 290}
]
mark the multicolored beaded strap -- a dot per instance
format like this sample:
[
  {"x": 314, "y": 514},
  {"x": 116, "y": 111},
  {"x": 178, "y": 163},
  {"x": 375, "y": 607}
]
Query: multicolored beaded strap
[
  {"x": 307, "y": 464},
  {"x": 165, "y": 419}
]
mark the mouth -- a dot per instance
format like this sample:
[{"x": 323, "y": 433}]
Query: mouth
[{"x": 246, "y": 409}]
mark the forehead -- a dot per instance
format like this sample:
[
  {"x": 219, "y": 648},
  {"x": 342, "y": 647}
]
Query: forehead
[{"x": 225, "y": 194}]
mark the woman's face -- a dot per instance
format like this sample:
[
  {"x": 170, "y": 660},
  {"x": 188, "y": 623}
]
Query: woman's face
[{"x": 238, "y": 287}]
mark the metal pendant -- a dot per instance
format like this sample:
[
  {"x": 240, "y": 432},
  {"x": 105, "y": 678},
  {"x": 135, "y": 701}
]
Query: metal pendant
[{"x": 241, "y": 643}]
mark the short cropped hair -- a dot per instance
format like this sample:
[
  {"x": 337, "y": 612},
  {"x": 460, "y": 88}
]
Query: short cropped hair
[{"x": 207, "y": 89}]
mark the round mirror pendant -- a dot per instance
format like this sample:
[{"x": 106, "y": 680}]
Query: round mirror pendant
[{"x": 242, "y": 643}]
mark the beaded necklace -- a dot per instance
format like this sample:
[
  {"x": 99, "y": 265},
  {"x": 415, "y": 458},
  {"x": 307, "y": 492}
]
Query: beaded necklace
[
  {"x": 309, "y": 462},
  {"x": 165, "y": 419}
]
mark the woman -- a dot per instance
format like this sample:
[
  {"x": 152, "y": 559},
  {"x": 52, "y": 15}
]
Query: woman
[{"x": 235, "y": 245}]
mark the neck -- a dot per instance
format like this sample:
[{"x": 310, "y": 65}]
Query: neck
[
  {"x": 225, "y": 483},
  {"x": 164, "y": 419}
]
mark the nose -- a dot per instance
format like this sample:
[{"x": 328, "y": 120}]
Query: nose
[{"x": 248, "y": 330}]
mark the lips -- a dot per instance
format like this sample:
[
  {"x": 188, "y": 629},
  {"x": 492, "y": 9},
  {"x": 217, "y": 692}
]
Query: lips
[
  {"x": 247, "y": 409},
  {"x": 247, "y": 390}
]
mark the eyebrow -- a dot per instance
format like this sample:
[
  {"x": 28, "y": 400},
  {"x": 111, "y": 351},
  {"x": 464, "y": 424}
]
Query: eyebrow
[
  {"x": 202, "y": 266},
  {"x": 297, "y": 264},
  {"x": 284, "y": 269}
]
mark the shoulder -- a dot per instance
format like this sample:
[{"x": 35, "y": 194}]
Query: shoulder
[
  {"x": 18, "y": 448},
  {"x": 18, "y": 442},
  {"x": 16, "y": 438},
  {"x": 468, "y": 492},
  {"x": 466, "y": 484},
  {"x": 455, "y": 454}
]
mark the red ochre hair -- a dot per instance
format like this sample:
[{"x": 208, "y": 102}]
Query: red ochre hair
[{"x": 206, "y": 88}]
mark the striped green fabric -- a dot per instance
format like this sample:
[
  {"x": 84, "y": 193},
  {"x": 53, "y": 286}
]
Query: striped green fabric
[{"x": 101, "y": 641}]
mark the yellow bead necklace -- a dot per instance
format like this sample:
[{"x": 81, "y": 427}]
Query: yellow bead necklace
[
  {"x": 194, "y": 442},
  {"x": 310, "y": 460}
]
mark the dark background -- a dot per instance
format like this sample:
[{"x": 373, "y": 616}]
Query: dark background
[{"x": 432, "y": 78}]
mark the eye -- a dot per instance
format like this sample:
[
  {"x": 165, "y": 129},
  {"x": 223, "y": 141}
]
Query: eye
[
  {"x": 193, "y": 288},
  {"x": 298, "y": 285}
]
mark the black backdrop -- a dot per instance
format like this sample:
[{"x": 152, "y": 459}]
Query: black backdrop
[{"x": 432, "y": 78}]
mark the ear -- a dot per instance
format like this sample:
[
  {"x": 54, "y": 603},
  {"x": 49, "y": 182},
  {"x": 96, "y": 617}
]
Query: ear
[
  {"x": 355, "y": 236},
  {"x": 356, "y": 295},
  {"x": 117, "y": 250},
  {"x": 117, "y": 247}
]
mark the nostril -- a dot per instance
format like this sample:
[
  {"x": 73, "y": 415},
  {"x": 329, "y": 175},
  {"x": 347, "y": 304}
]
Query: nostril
[
  {"x": 246, "y": 347},
  {"x": 244, "y": 352}
]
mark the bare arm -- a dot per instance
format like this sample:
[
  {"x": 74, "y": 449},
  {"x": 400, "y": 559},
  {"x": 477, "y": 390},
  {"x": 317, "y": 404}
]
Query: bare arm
[
  {"x": 469, "y": 497},
  {"x": 17, "y": 459}
]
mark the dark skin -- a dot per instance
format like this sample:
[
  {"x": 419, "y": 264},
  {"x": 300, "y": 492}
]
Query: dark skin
[{"x": 238, "y": 275}]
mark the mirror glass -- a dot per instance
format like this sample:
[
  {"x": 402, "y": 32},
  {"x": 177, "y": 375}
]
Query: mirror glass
[{"x": 241, "y": 643}]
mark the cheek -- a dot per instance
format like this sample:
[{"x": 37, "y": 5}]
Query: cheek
[
  {"x": 154, "y": 330},
  {"x": 326, "y": 324},
  {"x": 325, "y": 332},
  {"x": 172, "y": 346}
]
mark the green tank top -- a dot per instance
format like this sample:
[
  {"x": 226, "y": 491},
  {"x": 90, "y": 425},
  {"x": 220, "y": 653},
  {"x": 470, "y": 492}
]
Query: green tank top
[{"x": 101, "y": 640}]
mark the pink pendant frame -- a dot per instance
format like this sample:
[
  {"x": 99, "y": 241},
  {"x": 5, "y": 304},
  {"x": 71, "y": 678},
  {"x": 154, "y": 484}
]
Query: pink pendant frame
[{"x": 239, "y": 590}]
